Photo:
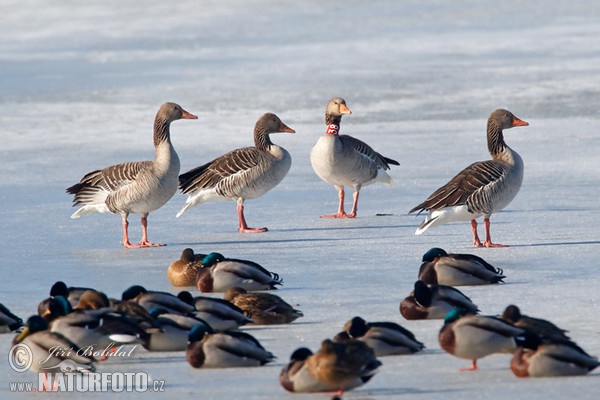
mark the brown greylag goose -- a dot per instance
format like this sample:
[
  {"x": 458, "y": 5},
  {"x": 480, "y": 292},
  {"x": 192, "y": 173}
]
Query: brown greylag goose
[
  {"x": 135, "y": 187},
  {"x": 342, "y": 160},
  {"x": 481, "y": 189},
  {"x": 241, "y": 174}
]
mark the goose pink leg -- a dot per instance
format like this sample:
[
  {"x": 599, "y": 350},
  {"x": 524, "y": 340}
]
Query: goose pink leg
[
  {"x": 341, "y": 213},
  {"x": 144, "y": 242},
  {"x": 243, "y": 226},
  {"x": 488, "y": 238}
]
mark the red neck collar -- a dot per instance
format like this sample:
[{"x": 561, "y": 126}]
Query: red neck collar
[{"x": 332, "y": 129}]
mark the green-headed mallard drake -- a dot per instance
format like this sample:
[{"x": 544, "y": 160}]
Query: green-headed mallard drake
[
  {"x": 94, "y": 330},
  {"x": 385, "y": 338},
  {"x": 241, "y": 174},
  {"x": 59, "y": 288},
  {"x": 263, "y": 308},
  {"x": 9, "y": 322},
  {"x": 39, "y": 340},
  {"x": 342, "y": 160},
  {"x": 441, "y": 268},
  {"x": 335, "y": 367},
  {"x": 210, "y": 349},
  {"x": 156, "y": 299},
  {"x": 219, "y": 274},
  {"x": 220, "y": 314},
  {"x": 183, "y": 272},
  {"x": 469, "y": 336},
  {"x": 553, "y": 358},
  {"x": 540, "y": 327},
  {"x": 481, "y": 189},
  {"x": 434, "y": 302},
  {"x": 170, "y": 330}
]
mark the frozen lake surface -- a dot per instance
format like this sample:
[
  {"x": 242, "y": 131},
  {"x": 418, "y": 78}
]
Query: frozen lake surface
[{"x": 80, "y": 85}]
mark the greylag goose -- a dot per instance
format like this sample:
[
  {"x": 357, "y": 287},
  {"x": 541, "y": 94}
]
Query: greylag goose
[
  {"x": 342, "y": 160},
  {"x": 241, "y": 174},
  {"x": 135, "y": 187},
  {"x": 482, "y": 188}
]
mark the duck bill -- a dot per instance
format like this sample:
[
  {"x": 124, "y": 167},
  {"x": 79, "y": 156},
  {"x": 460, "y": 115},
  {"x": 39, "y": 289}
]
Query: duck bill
[
  {"x": 284, "y": 128},
  {"x": 22, "y": 335},
  {"x": 344, "y": 109},
  {"x": 519, "y": 122},
  {"x": 187, "y": 115}
]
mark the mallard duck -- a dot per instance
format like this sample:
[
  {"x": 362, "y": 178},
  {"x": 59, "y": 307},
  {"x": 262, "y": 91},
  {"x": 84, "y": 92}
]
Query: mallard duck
[
  {"x": 219, "y": 274},
  {"x": 170, "y": 331},
  {"x": 220, "y": 314},
  {"x": 554, "y": 358},
  {"x": 241, "y": 174},
  {"x": 469, "y": 336},
  {"x": 59, "y": 288},
  {"x": 183, "y": 272},
  {"x": 481, "y": 189},
  {"x": 150, "y": 299},
  {"x": 39, "y": 340},
  {"x": 263, "y": 308},
  {"x": 441, "y": 268},
  {"x": 9, "y": 322},
  {"x": 342, "y": 160},
  {"x": 434, "y": 302},
  {"x": 90, "y": 329},
  {"x": 540, "y": 327},
  {"x": 92, "y": 300},
  {"x": 335, "y": 367},
  {"x": 385, "y": 338},
  {"x": 210, "y": 349},
  {"x": 296, "y": 376},
  {"x": 137, "y": 187}
]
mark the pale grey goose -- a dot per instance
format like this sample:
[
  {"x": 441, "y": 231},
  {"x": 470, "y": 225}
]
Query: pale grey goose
[
  {"x": 241, "y": 174},
  {"x": 482, "y": 188},
  {"x": 135, "y": 187},
  {"x": 342, "y": 160}
]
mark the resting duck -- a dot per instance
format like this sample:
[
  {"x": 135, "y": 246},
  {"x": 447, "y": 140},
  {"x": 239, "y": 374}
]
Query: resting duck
[
  {"x": 263, "y": 308},
  {"x": 156, "y": 299},
  {"x": 183, "y": 272},
  {"x": 555, "y": 358},
  {"x": 336, "y": 367},
  {"x": 59, "y": 288},
  {"x": 481, "y": 189},
  {"x": 92, "y": 300},
  {"x": 441, "y": 268},
  {"x": 210, "y": 349},
  {"x": 92, "y": 330},
  {"x": 434, "y": 302},
  {"x": 220, "y": 314},
  {"x": 241, "y": 174},
  {"x": 135, "y": 187},
  {"x": 39, "y": 339},
  {"x": 469, "y": 336},
  {"x": 9, "y": 322},
  {"x": 385, "y": 338},
  {"x": 342, "y": 160},
  {"x": 218, "y": 274},
  {"x": 540, "y": 327},
  {"x": 169, "y": 331}
]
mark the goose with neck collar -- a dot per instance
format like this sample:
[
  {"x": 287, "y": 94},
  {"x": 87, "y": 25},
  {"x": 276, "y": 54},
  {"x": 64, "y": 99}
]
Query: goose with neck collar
[{"x": 342, "y": 160}]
